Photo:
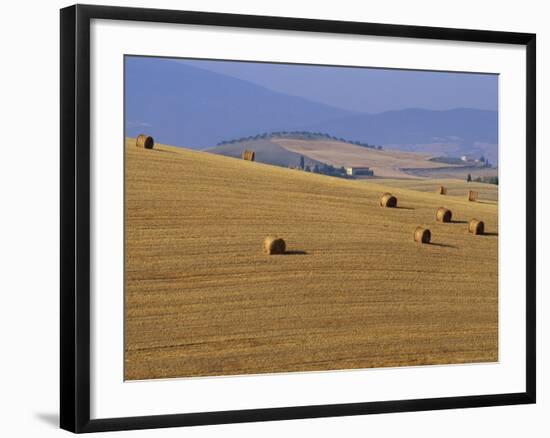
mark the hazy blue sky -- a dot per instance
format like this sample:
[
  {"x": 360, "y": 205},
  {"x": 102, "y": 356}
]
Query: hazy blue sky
[{"x": 367, "y": 89}]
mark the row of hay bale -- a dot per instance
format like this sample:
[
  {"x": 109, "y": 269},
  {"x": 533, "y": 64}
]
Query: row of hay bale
[
  {"x": 472, "y": 194},
  {"x": 271, "y": 244},
  {"x": 442, "y": 214},
  {"x": 144, "y": 141},
  {"x": 475, "y": 226},
  {"x": 275, "y": 245},
  {"x": 424, "y": 235}
]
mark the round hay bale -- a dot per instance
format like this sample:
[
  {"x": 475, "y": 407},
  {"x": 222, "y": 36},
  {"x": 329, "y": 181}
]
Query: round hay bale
[
  {"x": 388, "y": 200},
  {"x": 476, "y": 227},
  {"x": 443, "y": 214},
  {"x": 274, "y": 245},
  {"x": 145, "y": 141},
  {"x": 248, "y": 155},
  {"x": 422, "y": 235}
]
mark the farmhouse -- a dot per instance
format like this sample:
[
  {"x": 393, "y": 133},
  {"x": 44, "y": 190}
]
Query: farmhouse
[
  {"x": 469, "y": 160},
  {"x": 359, "y": 171}
]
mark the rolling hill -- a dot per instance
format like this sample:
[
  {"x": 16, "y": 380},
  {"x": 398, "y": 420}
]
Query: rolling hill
[
  {"x": 286, "y": 152},
  {"x": 354, "y": 290},
  {"x": 385, "y": 163},
  {"x": 267, "y": 151}
]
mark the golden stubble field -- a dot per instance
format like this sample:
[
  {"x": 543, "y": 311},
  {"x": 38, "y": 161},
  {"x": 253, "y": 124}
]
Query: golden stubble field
[
  {"x": 355, "y": 291},
  {"x": 385, "y": 163}
]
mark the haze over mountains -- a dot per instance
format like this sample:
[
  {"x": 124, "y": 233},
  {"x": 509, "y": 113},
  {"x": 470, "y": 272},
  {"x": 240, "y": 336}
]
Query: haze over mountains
[{"x": 188, "y": 106}]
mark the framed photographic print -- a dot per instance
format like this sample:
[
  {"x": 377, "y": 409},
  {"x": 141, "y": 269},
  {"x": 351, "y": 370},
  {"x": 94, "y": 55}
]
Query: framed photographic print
[{"x": 268, "y": 218}]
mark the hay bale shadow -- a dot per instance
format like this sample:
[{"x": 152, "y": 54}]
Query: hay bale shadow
[
  {"x": 458, "y": 222},
  {"x": 295, "y": 252},
  {"x": 442, "y": 245},
  {"x": 489, "y": 233}
]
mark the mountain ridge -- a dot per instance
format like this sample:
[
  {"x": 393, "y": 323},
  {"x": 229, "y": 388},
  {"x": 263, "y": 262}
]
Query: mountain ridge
[
  {"x": 197, "y": 108},
  {"x": 200, "y": 107}
]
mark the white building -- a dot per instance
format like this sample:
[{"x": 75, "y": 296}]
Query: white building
[
  {"x": 469, "y": 159},
  {"x": 356, "y": 171}
]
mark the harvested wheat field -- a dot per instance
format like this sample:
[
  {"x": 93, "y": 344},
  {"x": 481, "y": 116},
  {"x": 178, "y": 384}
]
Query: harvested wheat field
[
  {"x": 352, "y": 291},
  {"x": 384, "y": 163}
]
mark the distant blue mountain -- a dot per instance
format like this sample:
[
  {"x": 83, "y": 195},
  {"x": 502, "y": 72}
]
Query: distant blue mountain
[
  {"x": 187, "y": 106},
  {"x": 416, "y": 126}
]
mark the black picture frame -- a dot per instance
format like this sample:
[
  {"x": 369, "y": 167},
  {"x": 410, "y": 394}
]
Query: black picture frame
[{"x": 75, "y": 218}]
